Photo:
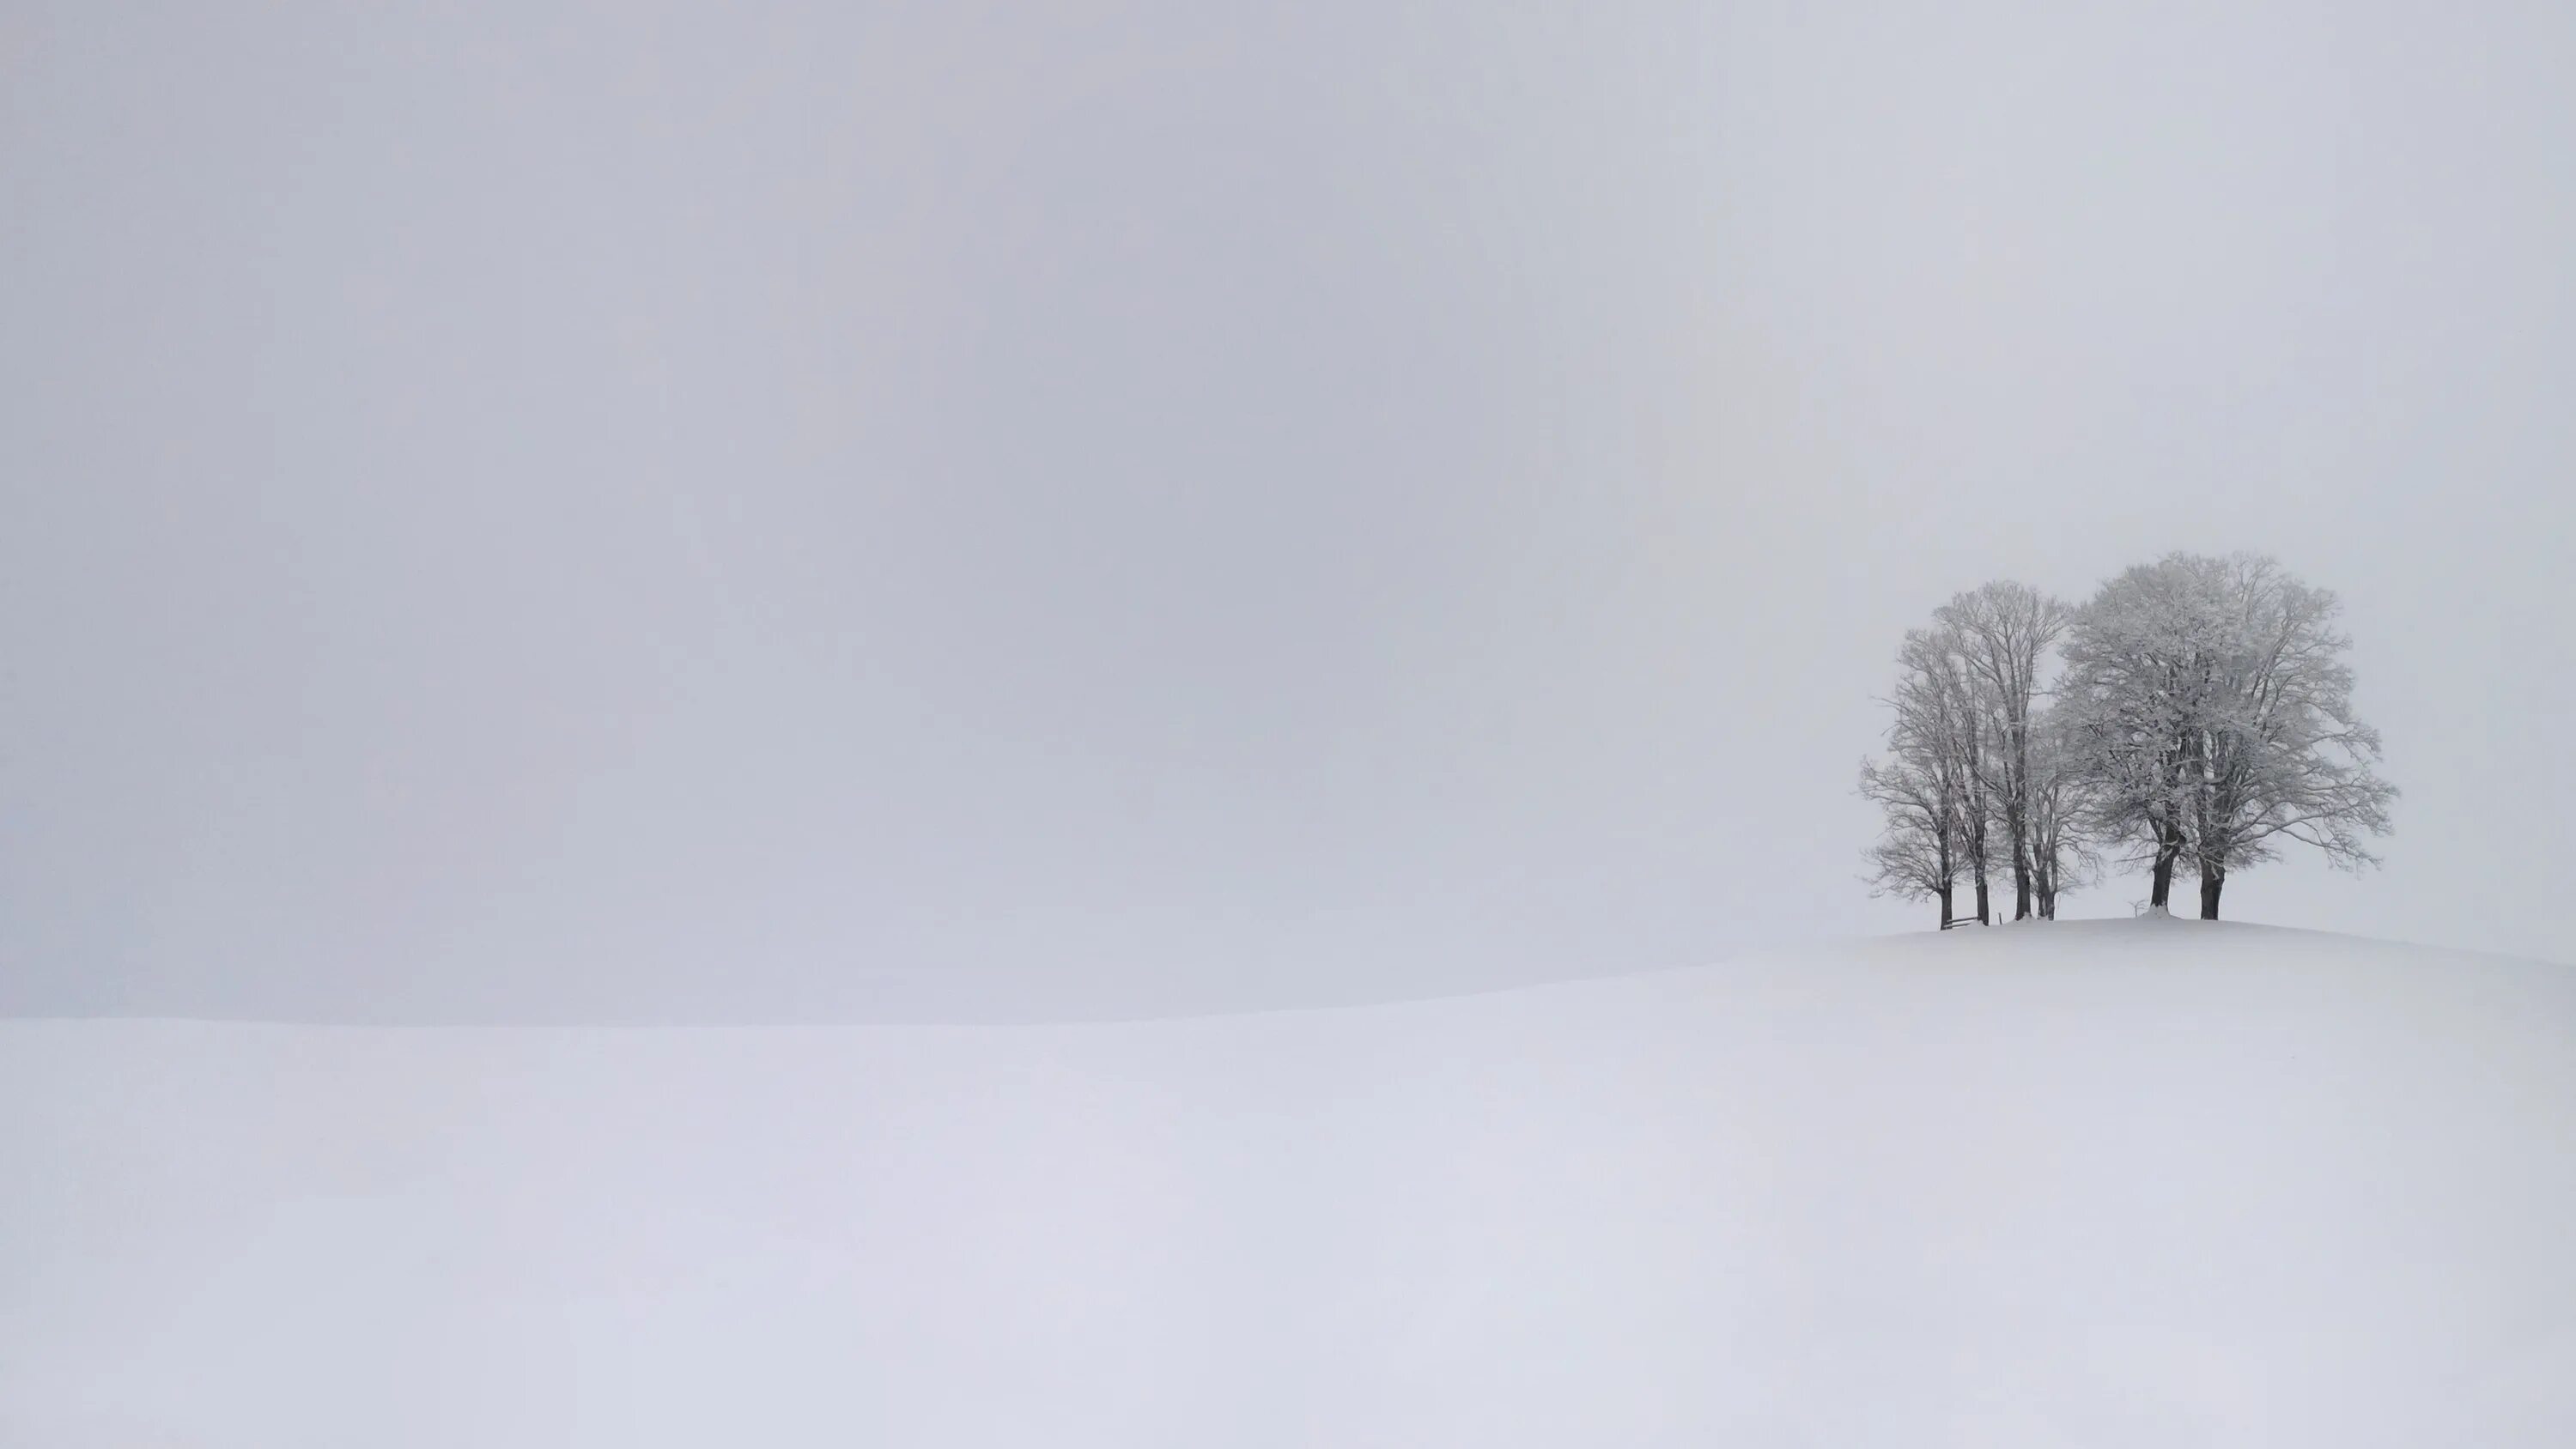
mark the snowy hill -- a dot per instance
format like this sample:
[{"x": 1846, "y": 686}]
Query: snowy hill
[{"x": 2150, "y": 1183}]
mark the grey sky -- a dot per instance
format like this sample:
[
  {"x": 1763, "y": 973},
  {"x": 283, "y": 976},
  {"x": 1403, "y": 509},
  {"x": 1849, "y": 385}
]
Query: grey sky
[{"x": 553, "y": 510}]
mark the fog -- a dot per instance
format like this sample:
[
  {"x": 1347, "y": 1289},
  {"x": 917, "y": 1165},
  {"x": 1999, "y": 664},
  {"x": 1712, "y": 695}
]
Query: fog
[{"x": 553, "y": 512}]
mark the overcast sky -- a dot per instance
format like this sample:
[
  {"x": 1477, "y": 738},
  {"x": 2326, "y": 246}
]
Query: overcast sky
[{"x": 553, "y": 510}]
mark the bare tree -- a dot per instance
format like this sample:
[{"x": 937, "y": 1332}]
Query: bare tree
[
  {"x": 1999, "y": 637},
  {"x": 1912, "y": 859},
  {"x": 1934, "y": 787},
  {"x": 1974, "y": 744},
  {"x": 2062, "y": 855}
]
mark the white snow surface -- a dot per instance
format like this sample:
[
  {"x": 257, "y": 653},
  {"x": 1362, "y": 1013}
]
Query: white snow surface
[{"x": 2104, "y": 1184}]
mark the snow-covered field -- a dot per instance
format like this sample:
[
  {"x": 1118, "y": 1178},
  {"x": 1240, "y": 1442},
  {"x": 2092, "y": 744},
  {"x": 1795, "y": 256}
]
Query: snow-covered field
[{"x": 2150, "y": 1183}]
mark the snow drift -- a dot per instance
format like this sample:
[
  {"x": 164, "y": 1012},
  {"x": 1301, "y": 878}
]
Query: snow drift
[{"x": 2134, "y": 1183}]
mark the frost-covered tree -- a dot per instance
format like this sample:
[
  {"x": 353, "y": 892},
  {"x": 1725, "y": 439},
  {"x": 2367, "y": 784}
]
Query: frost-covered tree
[
  {"x": 2282, "y": 757},
  {"x": 1999, "y": 637},
  {"x": 2210, "y": 717},
  {"x": 2139, "y": 658}
]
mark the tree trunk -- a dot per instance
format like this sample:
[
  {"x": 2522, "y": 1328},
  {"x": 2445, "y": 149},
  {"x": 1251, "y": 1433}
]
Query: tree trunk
[
  {"x": 2017, "y": 821},
  {"x": 2211, "y": 882},
  {"x": 1980, "y": 854},
  {"x": 2168, "y": 851},
  {"x": 1945, "y": 908}
]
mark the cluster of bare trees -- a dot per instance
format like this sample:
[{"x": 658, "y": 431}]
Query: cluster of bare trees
[{"x": 2197, "y": 711}]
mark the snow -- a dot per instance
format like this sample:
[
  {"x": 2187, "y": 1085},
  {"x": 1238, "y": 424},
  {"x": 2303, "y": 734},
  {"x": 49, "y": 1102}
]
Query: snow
[{"x": 2118, "y": 1183}]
